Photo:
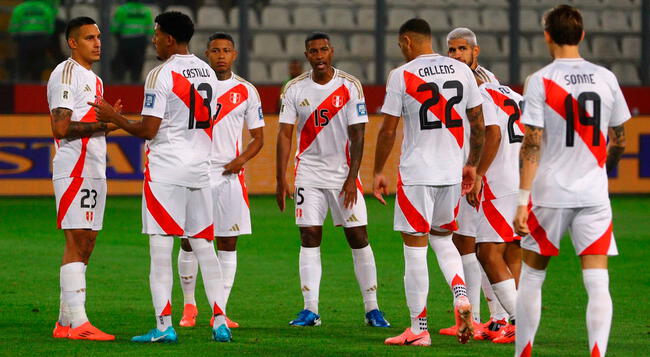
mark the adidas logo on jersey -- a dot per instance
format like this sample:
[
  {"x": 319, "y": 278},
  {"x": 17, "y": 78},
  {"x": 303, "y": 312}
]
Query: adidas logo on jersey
[
  {"x": 304, "y": 103},
  {"x": 234, "y": 228},
  {"x": 87, "y": 88},
  {"x": 352, "y": 218}
]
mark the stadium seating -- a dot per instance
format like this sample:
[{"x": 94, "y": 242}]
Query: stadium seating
[
  {"x": 615, "y": 21},
  {"x": 210, "y": 17},
  {"x": 279, "y": 71},
  {"x": 275, "y": 18},
  {"x": 362, "y": 45},
  {"x": 295, "y": 44},
  {"x": 397, "y": 16},
  {"x": 258, "y": 73},
  {"x": 466, "y": 18},
  {"x": 501, "y": 70},
  {"x": 84, "y": 10},
  {"x": 631, "y": 47},
  {"x": 627, "y": 73},
  {"x": 436, "y": 17},
  {"x": 267, "y": 45},
  {"x": 366, "y": 18},
  {"x": 339, "y": 18},
  {"x": 353, "y": 68},
  {"x": 495, "y": 19},
  {"x": 307, "y": 18},
  {"x": 605, "y": 47}
]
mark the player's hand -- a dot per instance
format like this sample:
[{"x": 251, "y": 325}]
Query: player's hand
[
  {"x": 469, "y": 177},
  {"x": 103, "y": 110},
  {"x": 474, "y": 195},
  {"x": 118, "y": 106},
  {"x": 379, "y": 187},
  {"x": 111, "y": 127},
  {"x": 281, "y": 192},
  {"x": 234, "y": 166},
  {"x": 349, "y": 192},
  {"x": 521, "y": 221}
]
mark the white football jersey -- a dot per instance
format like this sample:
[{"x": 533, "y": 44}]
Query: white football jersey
[
  {"x": 323, "y": 114},
  {"x": 502, "y": 177},
  {"x": 237, "y": 103},
  {"x": 432, "y": 94},
  {"x": 572, "y": 169},
  {"x": 181, "y": 92},
  {"x": 72, "y": 86},
  {"x": 485, "y": 75}
]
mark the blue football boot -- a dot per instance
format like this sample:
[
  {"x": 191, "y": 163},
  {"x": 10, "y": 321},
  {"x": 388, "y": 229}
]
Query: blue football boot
[
  {"x": 306, "y": 318},
  {"x": 222, "y": 333},
  {"x": 156, "y": 336},
  {"x": 375, "y": 318}
]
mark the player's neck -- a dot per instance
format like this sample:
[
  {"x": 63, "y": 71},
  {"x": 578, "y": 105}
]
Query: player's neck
[
  {"x": 85, "y": 64},
  {"x": 222, "y": 76},
  {"x": 180, "y": 49},
  {"x": 560, "y": 52},
  {"x": 421, "y": 51},
  {"x": 322, "y": 77}
]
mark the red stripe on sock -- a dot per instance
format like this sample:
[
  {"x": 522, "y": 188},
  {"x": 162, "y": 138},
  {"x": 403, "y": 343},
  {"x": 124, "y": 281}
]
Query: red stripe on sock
[
  {"x": 457, "y": 280},
  {"x": 527, "y": 352},
  {"x": 217, "y": 310},
  {"x": 595, "y": 352},
  {"x": 423, "y": 314},
  {"x": 167, "y": 310}
]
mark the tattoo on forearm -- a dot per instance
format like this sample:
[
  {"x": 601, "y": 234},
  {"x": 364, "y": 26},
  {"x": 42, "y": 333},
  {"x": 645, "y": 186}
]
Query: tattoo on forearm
[
  {"x": 59, "y": 114},
  {"x": 82, "y": 130},
  {"x": 616, "y": 147},
  {"x": 477, "y": 135},
  {"x": 531, "y": 146}
]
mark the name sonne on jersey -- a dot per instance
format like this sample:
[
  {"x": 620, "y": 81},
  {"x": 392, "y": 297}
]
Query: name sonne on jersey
[
  {"x": 582, "y": 78},
  {"x": 439, "y": 69}
]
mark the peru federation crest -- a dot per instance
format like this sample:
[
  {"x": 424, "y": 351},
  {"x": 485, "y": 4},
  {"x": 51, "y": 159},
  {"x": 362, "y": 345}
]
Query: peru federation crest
[
  {"x": 337, "y": 101},
  {"x": 235, "y": 97}
]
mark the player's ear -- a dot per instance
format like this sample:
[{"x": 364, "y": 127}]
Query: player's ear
[
  {"x": 547, "y": 37},
  {"x": 582, "y": 37},
  {"x": 234, "y": 55},
  {"x": 476, "y": 50}
]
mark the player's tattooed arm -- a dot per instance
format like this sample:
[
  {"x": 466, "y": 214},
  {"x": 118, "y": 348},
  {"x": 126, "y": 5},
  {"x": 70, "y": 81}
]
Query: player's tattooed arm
[
  {"x": 385, "y": 142},
  {"x": 477, "y": 134},
  {"x": 147, "y": 128},
  {"x": 490, "y": 149},
  {"x": 529, "y": 155},
  {"x": 616, "y": 146},
  {"x": 356, "y": 134},
  {"x": 64, "y": 128}
]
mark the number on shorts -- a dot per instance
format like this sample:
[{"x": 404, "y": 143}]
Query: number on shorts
[
  {"x": 299, "y": 197},
  {"x": 86, "y": 196}
]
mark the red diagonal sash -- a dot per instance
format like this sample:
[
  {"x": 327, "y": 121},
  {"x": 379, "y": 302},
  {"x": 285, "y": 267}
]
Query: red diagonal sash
[
  {"x": 555, "y": 97},
  {"x": 332, "y": 104},
  {"x": 181, "y": 87},
  {"x": 230, "y": 100},
  {"x": 499, "y": 99},
  {"x": 412, "y": 83}
]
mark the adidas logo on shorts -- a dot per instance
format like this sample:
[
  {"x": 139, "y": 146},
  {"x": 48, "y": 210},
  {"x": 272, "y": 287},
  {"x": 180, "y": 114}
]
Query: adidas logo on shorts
[
  {"x": 352, "y": 218},
  {"x": 234, "y": 228}
]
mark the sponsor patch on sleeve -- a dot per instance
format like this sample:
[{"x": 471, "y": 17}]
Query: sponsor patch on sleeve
[
  {"x": 260, "y": 114},
  {"x": 149, "y": 100},
  {"x": 361, "y": 109}
]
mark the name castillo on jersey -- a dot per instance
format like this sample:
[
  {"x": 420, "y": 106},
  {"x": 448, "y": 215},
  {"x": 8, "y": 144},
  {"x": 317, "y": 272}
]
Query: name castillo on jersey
[
  {"x": 238, "y": 103},
  {"x": 180, "y": 92},
  {"x": 575, "y": 102},
  {"x": 71, "y": 86},
  {"x": 432, "y": 94},
  {"x": 323, "y": 114}
]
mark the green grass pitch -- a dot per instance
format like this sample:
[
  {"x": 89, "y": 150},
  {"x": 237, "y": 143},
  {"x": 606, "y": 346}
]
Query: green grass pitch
[{"x": 266, "y": 294}]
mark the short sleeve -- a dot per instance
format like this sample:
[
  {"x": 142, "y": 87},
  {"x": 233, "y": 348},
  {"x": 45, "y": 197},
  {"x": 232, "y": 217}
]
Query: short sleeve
[
  {"x": 157, "y": 87},
  {"x": 620, "y": 110},
  {"x": 288, "y": 111},
  {"x": 489, "y": 109},
  {"x": 474, "y": 98},
  {"x": 534, "y": 99},
  {"x": 394, "y": 94},
  {"x": 254, "y": 116},
  {"x": 60, "y": 95},
  {"x": 356, "y": 106}
]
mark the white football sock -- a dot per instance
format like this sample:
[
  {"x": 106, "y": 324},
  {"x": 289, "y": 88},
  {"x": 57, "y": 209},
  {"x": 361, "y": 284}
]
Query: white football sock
[
  {"x": 161, "y": 278},
  {"x": 472, "y": 270},
  {"x": 506, "y": 293},
  {"x": 416, "y": 286},
  {"x": 310, "y": 274},
  {"x": 497, "y": 312},
  {"x": 528, "y": 308},
  {"x": 599, "y": 309},
  {"x": 450, "y": 263},
  {"x": 366, "y": 273},
  {"x": 228, "y": 261},
  {"x": 212, "y": 277},
  {"x": 188, "y": 268},
  {"x": 64, "y": 313},
  {"x": 73, "y": 291}
]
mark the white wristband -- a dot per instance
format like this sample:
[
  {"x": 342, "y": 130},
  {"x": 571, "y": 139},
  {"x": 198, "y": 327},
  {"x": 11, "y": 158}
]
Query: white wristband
[{"x": 523, "y": 198}]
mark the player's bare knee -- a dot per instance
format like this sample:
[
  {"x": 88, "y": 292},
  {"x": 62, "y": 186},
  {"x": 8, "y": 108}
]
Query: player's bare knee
[
  {"x": 357, "y": 237},
  {"x": 310, "y": 237},
  {"x": 464, "y": 244},
  {"x": 227, "y": 243},
  {"x": 441, "y": 232}
]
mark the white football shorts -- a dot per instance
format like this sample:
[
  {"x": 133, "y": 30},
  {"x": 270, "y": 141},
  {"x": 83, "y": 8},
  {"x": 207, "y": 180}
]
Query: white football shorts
[
  {"x": 419, "y": 209},
  {"x": 230, "y": 206},
  {"x": 495, "y": 220},
  {"x": 177, "y": 210},
  {"x": 467, "y": 219},
  {"x": 80, "y": 202},
  {"x": 312, "y": 205},
  {"x": 590, "y": 228}
]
